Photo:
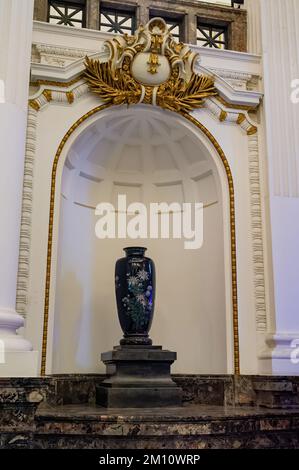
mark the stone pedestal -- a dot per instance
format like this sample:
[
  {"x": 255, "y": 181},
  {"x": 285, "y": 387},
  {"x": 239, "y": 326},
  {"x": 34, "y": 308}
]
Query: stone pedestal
[{"x": 139, "y": 377}]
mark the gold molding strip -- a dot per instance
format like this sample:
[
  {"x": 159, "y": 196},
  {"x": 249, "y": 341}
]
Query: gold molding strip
[
  {"x": 252, "y": 130},
  {"x": 232, "y": 226},
  {"x": 57, "y": 83},
  {"x": 70, "y": 97},
  {"x": 223, "y": 115},
  {"x": 34, "y": 104},
  {"x": 241, "y": 118},
  {"x": 241, "y": 107},
  {"x": 48, "y": 95}
]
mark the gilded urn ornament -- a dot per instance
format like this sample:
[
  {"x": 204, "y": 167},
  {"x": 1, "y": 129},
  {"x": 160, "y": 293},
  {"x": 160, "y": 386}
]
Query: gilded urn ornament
[{"x": 149, "y": 67}]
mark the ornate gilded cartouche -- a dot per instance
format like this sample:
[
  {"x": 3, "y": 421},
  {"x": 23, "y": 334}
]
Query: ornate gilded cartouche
[{"x": 149, "y": 67}]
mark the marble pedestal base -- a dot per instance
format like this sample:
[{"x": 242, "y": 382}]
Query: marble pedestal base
[{"x": 139, "y": 377}]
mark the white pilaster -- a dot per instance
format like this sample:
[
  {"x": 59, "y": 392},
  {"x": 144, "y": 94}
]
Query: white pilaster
[
  {"x": 280, "y": 37},
  {"x": 15, "y": 51},
  {"x": 254, "y": 41}
]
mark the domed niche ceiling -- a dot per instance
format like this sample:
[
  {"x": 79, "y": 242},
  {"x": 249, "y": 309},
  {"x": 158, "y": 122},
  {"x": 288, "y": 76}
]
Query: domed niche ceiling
[{"x": 149, "y": 156}]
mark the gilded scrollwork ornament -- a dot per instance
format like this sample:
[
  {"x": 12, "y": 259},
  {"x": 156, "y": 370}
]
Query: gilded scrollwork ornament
[{"x": 149, "y": 68}]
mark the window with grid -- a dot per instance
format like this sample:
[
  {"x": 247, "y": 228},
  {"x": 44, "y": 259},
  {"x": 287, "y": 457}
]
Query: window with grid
[
  {"x": 175, "y": 25},
  {"x": 228, "y": 3},
  {"x": 119, "y": 21},
  {"x": 210, "y": 35},
  {"x": 68, "y": 13}
]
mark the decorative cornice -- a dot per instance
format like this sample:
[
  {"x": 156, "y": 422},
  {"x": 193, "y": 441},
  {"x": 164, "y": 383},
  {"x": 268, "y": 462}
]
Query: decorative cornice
[
  {"x": 232, "y": 74},
  {"x": 45, "y": 96},
  {"x": 65, "y": 77},
  {"x": 213, "y": 104},
  {"x": 238, "y": 79},
  {"x": 228, "y": 55},
  {"x": 69, "y": 52},
  {"x": 235, "y": 106},
  {"x": 57, "y": 56},
  {"x": 60, "y": 84},
  {"x": 230, "y": 115}
]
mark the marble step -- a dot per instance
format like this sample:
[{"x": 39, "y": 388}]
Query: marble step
[{"x": 190, "y": 426}]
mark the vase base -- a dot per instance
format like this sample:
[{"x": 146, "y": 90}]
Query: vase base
[{"x": 135, "y": 341}]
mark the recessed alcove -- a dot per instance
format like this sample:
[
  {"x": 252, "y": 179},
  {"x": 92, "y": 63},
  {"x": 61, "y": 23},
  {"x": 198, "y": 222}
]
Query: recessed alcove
[{"x": 150, "y": 156}]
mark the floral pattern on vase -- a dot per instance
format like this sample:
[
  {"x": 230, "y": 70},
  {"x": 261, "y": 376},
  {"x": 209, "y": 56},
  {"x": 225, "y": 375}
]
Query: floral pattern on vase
[{"x": 135, "y": 295}]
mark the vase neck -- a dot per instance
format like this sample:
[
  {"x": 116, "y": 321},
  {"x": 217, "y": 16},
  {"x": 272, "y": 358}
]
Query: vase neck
[{"x": 135, "y": 251}]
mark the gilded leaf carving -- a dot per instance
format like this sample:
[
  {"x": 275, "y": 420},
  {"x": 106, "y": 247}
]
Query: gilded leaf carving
[{"x": 170, "y": 82}]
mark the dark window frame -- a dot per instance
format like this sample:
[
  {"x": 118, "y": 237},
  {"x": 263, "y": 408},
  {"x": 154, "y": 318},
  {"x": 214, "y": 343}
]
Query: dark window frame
[
  {"x": 237, "y": 2},
  {"x": 122, "y": 10},
  {"x": 73, "y": 4},
  {"x": 216, "y": 28}
]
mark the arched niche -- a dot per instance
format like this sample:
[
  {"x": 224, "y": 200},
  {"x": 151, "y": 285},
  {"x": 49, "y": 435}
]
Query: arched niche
[{"x": 150, "y": 155}]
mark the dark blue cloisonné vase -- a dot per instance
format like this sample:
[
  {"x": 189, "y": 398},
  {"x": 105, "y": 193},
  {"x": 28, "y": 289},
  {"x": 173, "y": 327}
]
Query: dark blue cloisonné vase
[{"x": 135, "y": 284}]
